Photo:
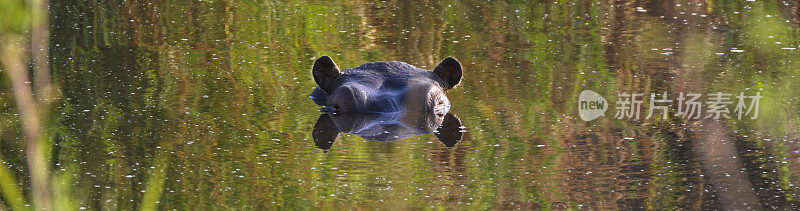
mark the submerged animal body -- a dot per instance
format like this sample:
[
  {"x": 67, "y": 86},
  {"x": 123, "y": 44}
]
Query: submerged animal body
[{"x": 381, "y": 87}]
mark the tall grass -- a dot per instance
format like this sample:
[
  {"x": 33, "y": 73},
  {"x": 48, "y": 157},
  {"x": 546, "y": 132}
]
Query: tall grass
[{"x": 25, "y": 35}]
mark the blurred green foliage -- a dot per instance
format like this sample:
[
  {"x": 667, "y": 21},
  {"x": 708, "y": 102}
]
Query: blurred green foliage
[{"x": 16, "y": 16}]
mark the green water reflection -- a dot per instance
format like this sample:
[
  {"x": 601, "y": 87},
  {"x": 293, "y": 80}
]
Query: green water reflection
[{"x": 204, "y": 104}]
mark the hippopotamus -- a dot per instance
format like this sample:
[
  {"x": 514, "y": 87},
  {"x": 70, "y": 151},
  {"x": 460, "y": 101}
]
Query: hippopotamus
[
  {"x": 383, "y": 87},
  {"x": 387, "y": 127}
]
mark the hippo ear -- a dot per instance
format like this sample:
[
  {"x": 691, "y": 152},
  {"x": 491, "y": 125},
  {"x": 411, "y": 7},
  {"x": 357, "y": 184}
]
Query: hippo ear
[
  {"x": 450, "y": 71},
  {"x": 325, "y": 71}
]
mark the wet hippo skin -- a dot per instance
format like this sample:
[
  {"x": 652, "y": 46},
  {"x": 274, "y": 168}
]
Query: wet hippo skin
[
  {"x": 380, "y": 87},
  {"x": 385, "y": 101}
]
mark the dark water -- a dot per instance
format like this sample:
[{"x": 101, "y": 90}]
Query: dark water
[{"x": 204, "y": 104}]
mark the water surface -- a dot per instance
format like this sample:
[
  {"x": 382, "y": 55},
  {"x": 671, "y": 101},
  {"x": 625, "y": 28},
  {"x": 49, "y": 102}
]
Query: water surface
[{"x": 207, "y": 102}]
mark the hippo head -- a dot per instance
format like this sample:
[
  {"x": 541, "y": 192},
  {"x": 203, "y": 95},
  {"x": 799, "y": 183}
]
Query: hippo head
[{"x": 381, "y": 87}]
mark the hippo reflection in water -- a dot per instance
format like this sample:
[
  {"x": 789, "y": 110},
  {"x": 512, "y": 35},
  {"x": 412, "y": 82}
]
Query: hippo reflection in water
[
  {"x": 386, "y": 127},
  {"x": 384, "y": 101}
]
